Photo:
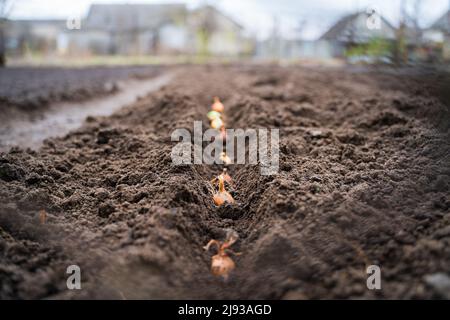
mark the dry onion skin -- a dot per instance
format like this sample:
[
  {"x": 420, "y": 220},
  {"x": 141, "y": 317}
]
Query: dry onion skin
[{"x": 225, "y": 176}]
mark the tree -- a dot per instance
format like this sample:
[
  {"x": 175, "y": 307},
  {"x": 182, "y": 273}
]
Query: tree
[
  {"x": 408, "y": 33},
  {"x": 401, "y": 51},
  {"x": 5, "y": 9},
  {"x": 206, "y": 28}
]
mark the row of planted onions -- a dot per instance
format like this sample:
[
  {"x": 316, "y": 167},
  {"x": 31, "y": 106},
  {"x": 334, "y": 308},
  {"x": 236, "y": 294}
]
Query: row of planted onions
[{"x": 221, "y": 263}]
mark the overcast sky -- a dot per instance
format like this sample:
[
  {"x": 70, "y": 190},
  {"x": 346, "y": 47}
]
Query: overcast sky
[{"x": 257, "y": 16}]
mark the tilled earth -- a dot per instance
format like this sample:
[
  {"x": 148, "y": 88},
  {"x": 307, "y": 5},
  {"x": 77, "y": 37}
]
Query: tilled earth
[
  {"x": 364, "y": 180},
  {"x": 29, "y": 89}
]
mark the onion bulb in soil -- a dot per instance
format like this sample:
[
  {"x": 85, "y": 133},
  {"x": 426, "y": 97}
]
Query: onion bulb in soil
[
  {"x": 221, "y": 263},
  {"x": 217, "y": 123},
  {"x": 217, "y": 105},
  {"x": 225, "y": 159},
  {"x": 213, "y": 115},
  {"x": 222, "y": 196}
]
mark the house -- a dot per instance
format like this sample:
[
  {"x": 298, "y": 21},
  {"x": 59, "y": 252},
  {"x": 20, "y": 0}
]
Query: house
[
  {"x": 134, "y": 29},
  {"x": 213, "y": 33},
  {"x": 24, "y": 36},
  {"x": 292, "y": 49},
  {"x": 358, "y": 29},
  {"x": 350, "y": 31},
  {"x": 128, "y": 29},
  {"x": 438, "y": 34},
  {"x": 442, "y": 24}
]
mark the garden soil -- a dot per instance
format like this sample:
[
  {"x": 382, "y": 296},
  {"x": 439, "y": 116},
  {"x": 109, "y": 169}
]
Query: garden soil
[{"x": 364, "y": 179}]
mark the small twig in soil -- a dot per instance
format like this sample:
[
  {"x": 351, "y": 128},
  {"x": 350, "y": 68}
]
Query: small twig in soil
[{"x": 42, "y": 216}]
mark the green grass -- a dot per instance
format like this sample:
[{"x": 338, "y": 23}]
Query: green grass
[{"x": 86, "y": 61}]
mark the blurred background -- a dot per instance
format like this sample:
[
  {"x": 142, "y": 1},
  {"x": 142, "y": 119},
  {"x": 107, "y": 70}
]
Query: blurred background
[{"x": 85, "y": 32}]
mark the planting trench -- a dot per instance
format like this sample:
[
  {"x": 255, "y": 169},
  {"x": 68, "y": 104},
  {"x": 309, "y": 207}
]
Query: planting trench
[{"x": 363, "y": 180}]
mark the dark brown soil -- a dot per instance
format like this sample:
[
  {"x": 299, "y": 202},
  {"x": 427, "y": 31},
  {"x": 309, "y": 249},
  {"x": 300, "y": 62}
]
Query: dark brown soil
[
  {"x": 29, "y": 89},
  {"x": 364, "y": 179}
]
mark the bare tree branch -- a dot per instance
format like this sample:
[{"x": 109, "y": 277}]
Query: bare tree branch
[{"x": 6, "y": 7}]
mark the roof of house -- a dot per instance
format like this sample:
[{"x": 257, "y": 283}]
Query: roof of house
[
  {"x": 211, "y": 10},
  {"x": 15, "y": 25},
  {"x": 443, "y": 23},
  {"x": 339, "y": 27},
  {"x": 133, "y": 16},
  {"x": 347, "y": 25},
  {"x": 37, "y": 21}
]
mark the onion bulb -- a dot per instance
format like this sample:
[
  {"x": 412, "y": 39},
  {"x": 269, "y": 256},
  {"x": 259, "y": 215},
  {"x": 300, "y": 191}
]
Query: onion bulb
[
  {"x": 221, "y": 263},
  {"x": 225, "y": 159},
  {"x": 213, "y": 115},
  {"x": 222, "y": 196},
  {"x": 217, "y": 123},
  {"x": 217, "y": 105}
]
